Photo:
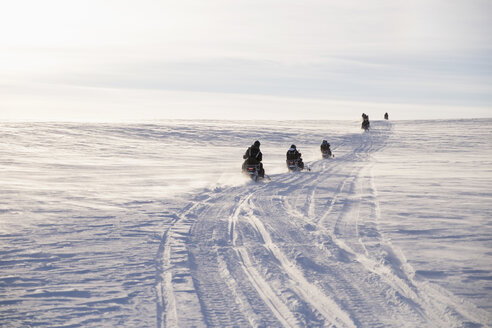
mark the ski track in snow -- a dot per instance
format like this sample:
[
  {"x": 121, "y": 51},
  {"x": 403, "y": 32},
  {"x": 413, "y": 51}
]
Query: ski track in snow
[{"x": 302, "y": 250}]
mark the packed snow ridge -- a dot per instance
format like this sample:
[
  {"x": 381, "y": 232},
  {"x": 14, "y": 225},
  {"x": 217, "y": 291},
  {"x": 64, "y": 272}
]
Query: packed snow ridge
[{"x": 393, "y": 231}]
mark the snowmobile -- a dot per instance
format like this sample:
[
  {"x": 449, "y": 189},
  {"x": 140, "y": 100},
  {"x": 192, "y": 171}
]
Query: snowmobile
[
  {"x": 365, "y": 125},
  {"x": 253, "y": 170},
  {"x": 327, "y": 154},
  {"x": 293, "y": 165}
]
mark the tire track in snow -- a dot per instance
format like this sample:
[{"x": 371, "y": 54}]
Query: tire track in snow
[
  {"x": 356, "y": 232},
  {"x": 225, "y": 301},
  {"x": 345, "y": 232},
  {"x": 195, "y": 286},
  {"x": 355, "y": 297},
  {"x": 231, "y": 290},
  {"x": 278, "y": 307},
  {"x": 308, "y": 291},
  {"x": 295, "y": 274},
  {"x": 440, "y": 307},
  {"x": 174, "y": 285}
]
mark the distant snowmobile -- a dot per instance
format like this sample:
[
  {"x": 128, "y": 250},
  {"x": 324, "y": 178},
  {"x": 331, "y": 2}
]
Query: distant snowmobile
[
  {"x": 327, "y": 154},
  {"x": 325, "y": 150},
  {"x": 252, "y": 164},
  {"x": 365, "y": 125},
  {"x": 294, "y": 160},
  {"x": 294, "y": 165},
  {"x": 252, "y": 171}
]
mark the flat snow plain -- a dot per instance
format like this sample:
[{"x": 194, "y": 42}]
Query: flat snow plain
[{"x": 145, "y": 225}]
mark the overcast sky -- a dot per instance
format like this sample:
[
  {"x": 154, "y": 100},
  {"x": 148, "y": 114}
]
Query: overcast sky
[{"x": 269, "y": 59}]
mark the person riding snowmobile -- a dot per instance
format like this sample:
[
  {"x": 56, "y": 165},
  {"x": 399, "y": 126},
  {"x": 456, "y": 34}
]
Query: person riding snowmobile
[
  {"x": 253, "y": 156},
  {"x": 293, "y": 154},
  {"x": 365, "y": 122},
  {"x": 385, "y": 116},
  {"x": 325, "y": 148}
]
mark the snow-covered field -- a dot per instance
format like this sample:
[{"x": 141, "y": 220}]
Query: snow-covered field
[{"x": 144, "y": 225}]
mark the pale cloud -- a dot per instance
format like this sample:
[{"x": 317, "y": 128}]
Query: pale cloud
[{"x": 419, "y": 52}]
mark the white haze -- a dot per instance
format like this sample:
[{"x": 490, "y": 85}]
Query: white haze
[{"x": 119, "y": 60}]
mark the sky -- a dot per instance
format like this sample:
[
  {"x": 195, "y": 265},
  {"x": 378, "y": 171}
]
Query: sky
[{"x": 117, "y": 60}]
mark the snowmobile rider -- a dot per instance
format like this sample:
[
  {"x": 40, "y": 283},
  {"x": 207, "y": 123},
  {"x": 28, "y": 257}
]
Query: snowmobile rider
[
  {"x": 365, "y": 122},
  {"x": 325, "y": 148},
  {"x": 293, "y": 154},
  {"x": 386, "y": 116},
  {"x": 253, "y": 156}
]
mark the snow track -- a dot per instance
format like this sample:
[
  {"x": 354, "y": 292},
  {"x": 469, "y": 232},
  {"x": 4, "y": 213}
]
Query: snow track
[{"x": 302, "y": 250}]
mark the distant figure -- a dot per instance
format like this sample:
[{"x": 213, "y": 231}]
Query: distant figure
[
  {"x": 365, "y": 122},
  {"x": 294, "y": 155},
  {"x": 325, "y": 149},
  {"x": 253, "y": 156},
  {"x": 385, "y": 116}
]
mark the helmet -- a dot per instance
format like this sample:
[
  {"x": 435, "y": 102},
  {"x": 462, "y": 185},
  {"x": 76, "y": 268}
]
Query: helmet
[
  {"x": 325, "y": 142},
  {"x": 257, "y": 143},
  {"x": 292, "y": 147}
]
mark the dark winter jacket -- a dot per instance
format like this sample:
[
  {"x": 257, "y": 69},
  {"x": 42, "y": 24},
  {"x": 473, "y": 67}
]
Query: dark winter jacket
[
  {"x": 253, "y": 155},
  {"x": 325, "y": 147},
  {"x": 293, "y": 155}
]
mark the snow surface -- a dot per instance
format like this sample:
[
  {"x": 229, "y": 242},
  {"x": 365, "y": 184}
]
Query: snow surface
[{"x": 144, "y": 225}]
